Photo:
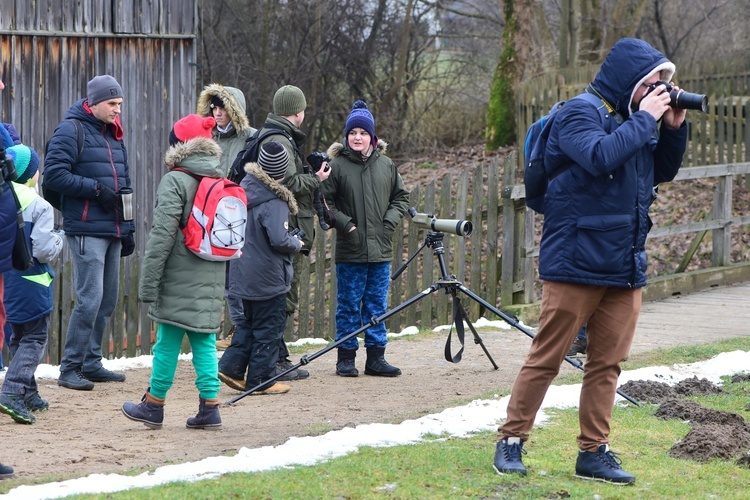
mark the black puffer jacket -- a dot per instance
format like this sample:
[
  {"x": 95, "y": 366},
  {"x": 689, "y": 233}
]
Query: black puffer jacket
[{"x": 104, "y": 159}]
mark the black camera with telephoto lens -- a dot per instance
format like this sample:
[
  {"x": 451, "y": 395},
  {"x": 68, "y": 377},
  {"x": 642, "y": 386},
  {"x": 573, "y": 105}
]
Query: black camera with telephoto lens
[{"x": 680, "y": 99}]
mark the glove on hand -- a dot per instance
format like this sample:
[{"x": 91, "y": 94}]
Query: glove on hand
[
  {"x": 329, "y": 217},
  {"x": 128, "y": 245},
  {"x": 107, "y": 198},
  {"x": 320, "y": 208}
]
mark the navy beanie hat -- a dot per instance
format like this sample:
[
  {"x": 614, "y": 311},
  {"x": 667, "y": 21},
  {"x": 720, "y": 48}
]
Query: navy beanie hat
[{"x": 360, "y": 117}]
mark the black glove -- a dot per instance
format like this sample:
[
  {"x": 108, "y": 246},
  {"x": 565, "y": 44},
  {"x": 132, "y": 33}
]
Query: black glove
[
  {"x": 128, "y": 245},
  {"x": 107, "y": 198},
  {"x": 320, "y": 208},
  {"x": 328, "y": 216}
]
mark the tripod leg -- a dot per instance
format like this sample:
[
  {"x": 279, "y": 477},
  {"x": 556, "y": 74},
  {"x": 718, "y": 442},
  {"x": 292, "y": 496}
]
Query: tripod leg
[
  {"x": 459, "y": 317},
  {"x": 478, "y": 340},
  {"x": 374, "y": 321},
  {"x": 514, "y": 323}
]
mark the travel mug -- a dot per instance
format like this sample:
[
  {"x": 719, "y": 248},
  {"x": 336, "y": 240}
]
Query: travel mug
[{"x": 126, "y": 195}]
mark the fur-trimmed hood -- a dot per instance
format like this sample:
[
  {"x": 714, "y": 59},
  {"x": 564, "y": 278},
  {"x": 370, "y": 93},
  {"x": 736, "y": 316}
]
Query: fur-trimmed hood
[
  {"x": 337, "y": 148},
  {"x": 234, "y": 103},
  {"x": 281, "y": 191},
  {"x": 200, "y": 155}
]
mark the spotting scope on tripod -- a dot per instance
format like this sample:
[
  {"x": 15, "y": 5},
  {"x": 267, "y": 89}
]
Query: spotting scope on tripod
[{"x": 452, "y": 226}]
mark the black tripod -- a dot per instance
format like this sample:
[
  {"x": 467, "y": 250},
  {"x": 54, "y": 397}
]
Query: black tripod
[{"x": 451, "y": 286}]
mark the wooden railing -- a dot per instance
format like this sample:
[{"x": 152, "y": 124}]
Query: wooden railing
[{"x": 721, "y": 221}]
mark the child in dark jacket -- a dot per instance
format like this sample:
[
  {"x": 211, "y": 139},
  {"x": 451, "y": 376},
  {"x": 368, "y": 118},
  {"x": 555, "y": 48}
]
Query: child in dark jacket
[
  {"x": 28, "y": 295},
  {"x": 262, "y": 276}
]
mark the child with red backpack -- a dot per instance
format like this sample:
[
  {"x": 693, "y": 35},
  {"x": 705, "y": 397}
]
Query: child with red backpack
[{"x": 185, "y": 290}]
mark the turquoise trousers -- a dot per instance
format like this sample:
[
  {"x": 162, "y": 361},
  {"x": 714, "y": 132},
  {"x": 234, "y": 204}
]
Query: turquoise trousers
[{"x": 166, "y": 352}]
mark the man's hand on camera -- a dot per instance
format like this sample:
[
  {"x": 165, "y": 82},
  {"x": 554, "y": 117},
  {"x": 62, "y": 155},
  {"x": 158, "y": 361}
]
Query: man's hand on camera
[
  {"x": 656, "y": 102},
  {"x": 674, "y": 117},
  {"x": 324, "y": 171},
  {"x": 106, "y": 197}
]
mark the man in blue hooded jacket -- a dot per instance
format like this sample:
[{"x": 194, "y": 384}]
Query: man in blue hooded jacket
[
  {"x": 96, "y": 232},
  {"x": 592, "y": 257}
]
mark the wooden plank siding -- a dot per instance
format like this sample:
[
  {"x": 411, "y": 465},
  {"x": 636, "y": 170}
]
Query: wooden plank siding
[{"x": 50, "y": 49}]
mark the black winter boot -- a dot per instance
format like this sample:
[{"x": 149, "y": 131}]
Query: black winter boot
[
  {"x": 345, "y": 365},
  {"x": 150, "y": 411},
  {"x": 377, "y": 365},
  {"x": 208, "y": 415}
]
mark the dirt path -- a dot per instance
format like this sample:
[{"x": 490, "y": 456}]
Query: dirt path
[{"x": 84, "y": 432}]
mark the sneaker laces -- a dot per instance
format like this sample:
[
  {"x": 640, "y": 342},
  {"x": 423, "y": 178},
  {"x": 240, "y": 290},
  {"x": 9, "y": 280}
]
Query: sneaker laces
[
  {"x": 610, "y": 459},
  {"x": 513, "y": 452}
]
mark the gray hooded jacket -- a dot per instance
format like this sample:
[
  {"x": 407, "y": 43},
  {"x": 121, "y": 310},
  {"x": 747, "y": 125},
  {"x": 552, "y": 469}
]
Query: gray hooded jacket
[{"x": 265, "y": 269}]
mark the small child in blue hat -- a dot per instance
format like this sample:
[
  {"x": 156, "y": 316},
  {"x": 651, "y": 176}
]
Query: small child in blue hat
[{"x": 28, "y": 294}]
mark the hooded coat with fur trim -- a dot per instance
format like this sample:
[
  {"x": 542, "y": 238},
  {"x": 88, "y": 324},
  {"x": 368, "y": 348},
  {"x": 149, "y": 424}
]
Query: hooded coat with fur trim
[
  {"x": 232, "y": 141},
  {"x": 264, "y": 270},
  {"x": 368, "y": 194},
  {"x": 596, "y": 211},
  {"x": 183, "y": 289}
]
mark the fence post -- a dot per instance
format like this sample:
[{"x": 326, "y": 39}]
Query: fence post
[
  {"x": 722, "y": 243},
  {"x": 509, "y": 233}
]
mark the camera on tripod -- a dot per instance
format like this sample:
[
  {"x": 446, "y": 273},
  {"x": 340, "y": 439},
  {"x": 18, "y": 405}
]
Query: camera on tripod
[
  {"x": 453, "y": 226},
  {"x": 7, "y": 167}
]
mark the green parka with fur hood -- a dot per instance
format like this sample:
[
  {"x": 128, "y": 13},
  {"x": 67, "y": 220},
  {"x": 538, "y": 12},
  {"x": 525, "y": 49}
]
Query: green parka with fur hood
[
  {"x": 183, "y": 289},
  {"x": 232, "y": 141},
  {"x": 368, "y": 194}
]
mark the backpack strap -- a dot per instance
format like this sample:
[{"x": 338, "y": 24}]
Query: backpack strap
[
  {"x": 186, "y": 171},
  {"x": 80, "y": 136},
  {"x": 188, "y": 208},
  {"x": 276, "y": 130},
  {"x": 605, "y": 113}
]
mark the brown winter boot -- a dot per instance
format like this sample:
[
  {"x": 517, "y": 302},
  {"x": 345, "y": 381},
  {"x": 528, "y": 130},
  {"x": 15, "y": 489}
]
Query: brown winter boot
[
  {"x": 208, "y": 415},
  {"x": 223, "y": 344},
  {"x": 150, "y": 411}
]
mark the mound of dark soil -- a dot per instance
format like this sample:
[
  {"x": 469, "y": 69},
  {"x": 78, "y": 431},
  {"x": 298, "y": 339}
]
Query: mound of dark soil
[
  {"x": 697, "y": 387},
  {"x": 712, "y": 441},
  {"x": 714, "y": 433},
  {"x": 649, "y": 392},
  {"x": 696, "y": 414}
]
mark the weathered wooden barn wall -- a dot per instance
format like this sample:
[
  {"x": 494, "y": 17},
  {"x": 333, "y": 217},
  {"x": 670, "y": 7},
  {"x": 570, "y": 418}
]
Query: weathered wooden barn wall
[{"x": 49, "y": 50}]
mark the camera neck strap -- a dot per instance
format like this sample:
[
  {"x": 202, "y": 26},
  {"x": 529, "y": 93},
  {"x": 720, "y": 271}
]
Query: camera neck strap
[{"x": 610, "y": 109}]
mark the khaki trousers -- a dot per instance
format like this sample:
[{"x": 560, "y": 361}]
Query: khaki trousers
[{"x": 611, "y": 314}]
